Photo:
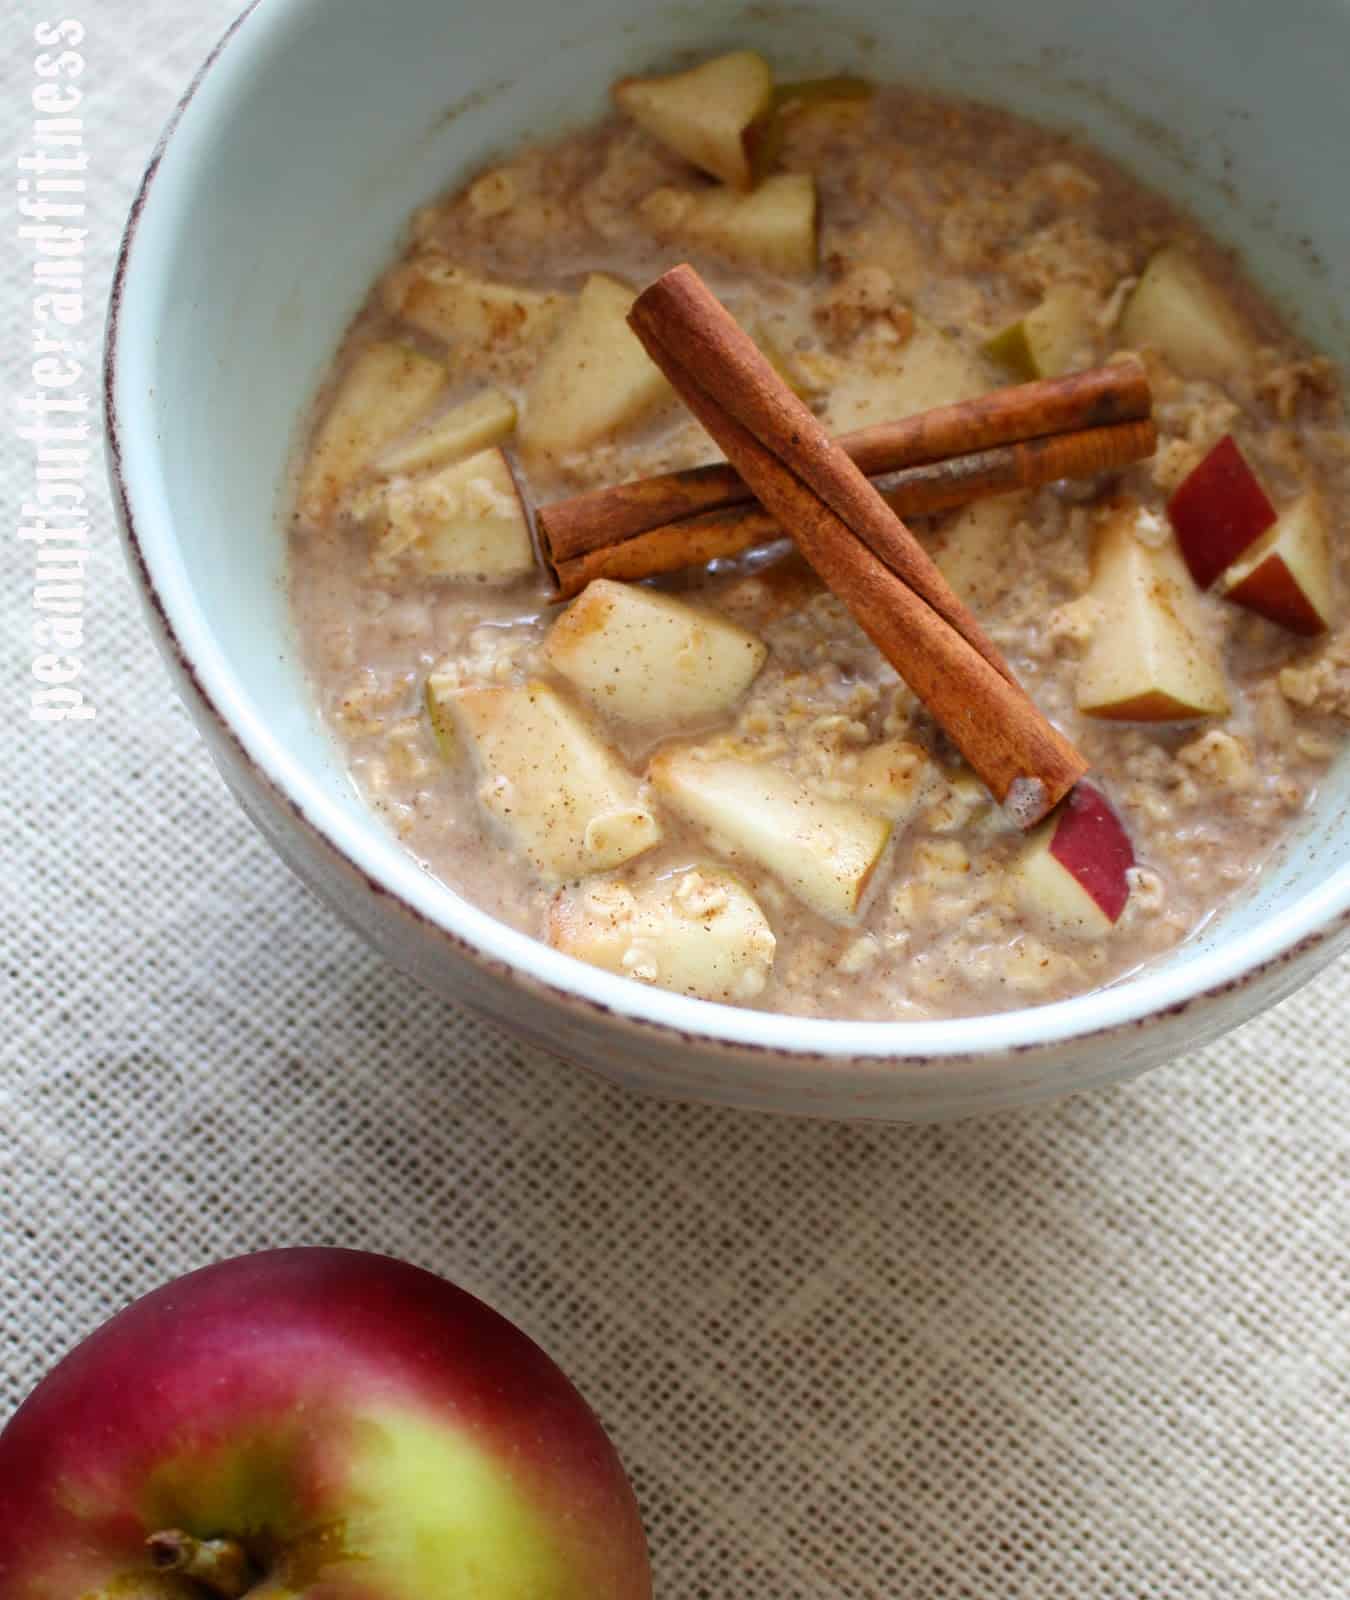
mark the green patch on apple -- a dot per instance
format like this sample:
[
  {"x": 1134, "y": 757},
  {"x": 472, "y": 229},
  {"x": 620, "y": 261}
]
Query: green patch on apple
[
  {"x": 459, "y": 1525},
  {"x": 1048, "y": 339},
  {"x": 250, "y": 1484}
]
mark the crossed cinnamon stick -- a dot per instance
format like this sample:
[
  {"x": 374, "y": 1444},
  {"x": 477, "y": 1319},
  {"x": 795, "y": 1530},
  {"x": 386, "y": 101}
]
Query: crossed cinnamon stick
[
  {"x": 810, "y": 485},
  {"x": 1076, "y": 426}
]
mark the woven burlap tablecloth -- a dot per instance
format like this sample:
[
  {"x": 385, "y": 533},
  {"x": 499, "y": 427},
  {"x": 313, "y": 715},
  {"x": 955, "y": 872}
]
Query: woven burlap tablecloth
[{"x": 1095, "y": 1352}]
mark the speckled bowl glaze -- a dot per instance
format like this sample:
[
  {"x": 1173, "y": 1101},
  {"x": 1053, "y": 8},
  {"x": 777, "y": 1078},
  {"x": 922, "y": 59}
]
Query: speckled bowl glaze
[{"x": 279, "y": 192}]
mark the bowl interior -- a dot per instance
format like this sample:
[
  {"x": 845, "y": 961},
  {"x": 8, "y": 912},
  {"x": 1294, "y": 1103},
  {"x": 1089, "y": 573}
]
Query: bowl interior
[{"x": 325, "y": 122}]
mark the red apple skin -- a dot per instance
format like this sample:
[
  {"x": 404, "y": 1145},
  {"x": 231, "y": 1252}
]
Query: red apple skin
[
  {"x": 1218, "y": 511},
  {"x": 1273, "y": 592},
  {"x": 1091, "y": 843},
  {"x": 276, "y": 1340}
]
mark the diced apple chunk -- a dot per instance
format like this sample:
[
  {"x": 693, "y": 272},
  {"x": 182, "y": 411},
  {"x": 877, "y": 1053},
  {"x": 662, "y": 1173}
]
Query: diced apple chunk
[
  {"x": 565, "y": 797},
  {"x": 1151, "y": 659},
  {"x": 466, "y": 523},
  {"x": 930, "y": 369},
  {"x": 773, "y": 227},
  {"x": 1218, "y": 510},
  {"x": 698, "y": 933},
  {"x": 704, "y": 114},
  {"x": 441, "y": 688},
  {"x": 973, "y": 546},
  {"x": 595, "y": 377},
  {"x": 894, "y": 777},
  {"x": 384, "y": 391},
  {"x": 462, "y": 431},
  {"x": 1288, "y": 575},
  {"x": 450, "y": 303},
  {"x": 643, "y": 656},
  {"x": 1178, "y": 310},
  {"x": 1046, "y": 341},
  {"x": 824, "y": 851},
  {"x": 1073, "y": 872}
]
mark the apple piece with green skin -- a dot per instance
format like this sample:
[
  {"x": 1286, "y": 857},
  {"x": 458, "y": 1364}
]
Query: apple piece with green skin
[
  {"x": 1046, "y": 340},
  {"x": 307, "y": 1423},
  {"x": 1177, "y": 309},
  {"x": 1074, "y": 870},
  {"x": 1288, "y": 576},
  {"x": 1218, "y": 511},
  {"x": 1151, "y": 658},
  {"x": 705, "y": 114},
  {"x": 773, "y": 227}
]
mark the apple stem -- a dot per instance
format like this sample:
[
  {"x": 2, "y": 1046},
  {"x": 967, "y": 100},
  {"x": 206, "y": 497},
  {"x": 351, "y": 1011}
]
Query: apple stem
[{"x": 219, "y": 1565}]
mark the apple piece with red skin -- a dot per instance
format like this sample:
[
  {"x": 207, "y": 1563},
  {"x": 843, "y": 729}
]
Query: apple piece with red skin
[
  {"x": 345, "y": 1425},
  {"x": 1091, "y": 844},
  {"x": 1074, "y": 870},
  {"x": 1288, "y": 576},
  {"x": 1219, "y": 510}
]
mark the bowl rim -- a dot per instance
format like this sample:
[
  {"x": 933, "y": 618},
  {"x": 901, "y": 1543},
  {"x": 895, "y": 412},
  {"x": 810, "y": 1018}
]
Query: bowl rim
[{"x": 1137, "y": 1001}]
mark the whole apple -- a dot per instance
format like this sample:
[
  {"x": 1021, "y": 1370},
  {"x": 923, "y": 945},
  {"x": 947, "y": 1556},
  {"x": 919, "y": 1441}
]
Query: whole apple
[{"x": 318, "y": 1423}]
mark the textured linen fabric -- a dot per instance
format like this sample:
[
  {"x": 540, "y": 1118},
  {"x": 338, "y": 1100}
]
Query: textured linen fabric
[{"x": 1095, "y": 1352}]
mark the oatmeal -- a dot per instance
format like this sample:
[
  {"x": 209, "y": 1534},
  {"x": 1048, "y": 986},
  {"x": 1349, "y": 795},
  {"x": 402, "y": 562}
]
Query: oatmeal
[{"x": 713, "y": 781}]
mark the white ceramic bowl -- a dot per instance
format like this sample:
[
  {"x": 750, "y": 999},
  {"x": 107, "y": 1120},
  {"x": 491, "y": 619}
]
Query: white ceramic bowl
[{"x": 278, "y": 194}]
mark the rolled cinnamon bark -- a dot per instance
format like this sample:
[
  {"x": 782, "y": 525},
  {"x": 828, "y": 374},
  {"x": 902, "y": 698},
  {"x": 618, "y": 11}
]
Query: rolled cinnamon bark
[
  {"x": 1096, "y": 399},
  {"x": 914, "y": 492},
  {"x": 857, "y": 545}
]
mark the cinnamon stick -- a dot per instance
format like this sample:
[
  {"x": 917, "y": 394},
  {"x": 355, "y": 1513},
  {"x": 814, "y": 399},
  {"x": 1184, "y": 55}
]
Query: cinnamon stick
[
  {"x": 1097, "y": 398},
  {"x": 856, "y": 543},
  {"x": 913, "y": 492}
]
